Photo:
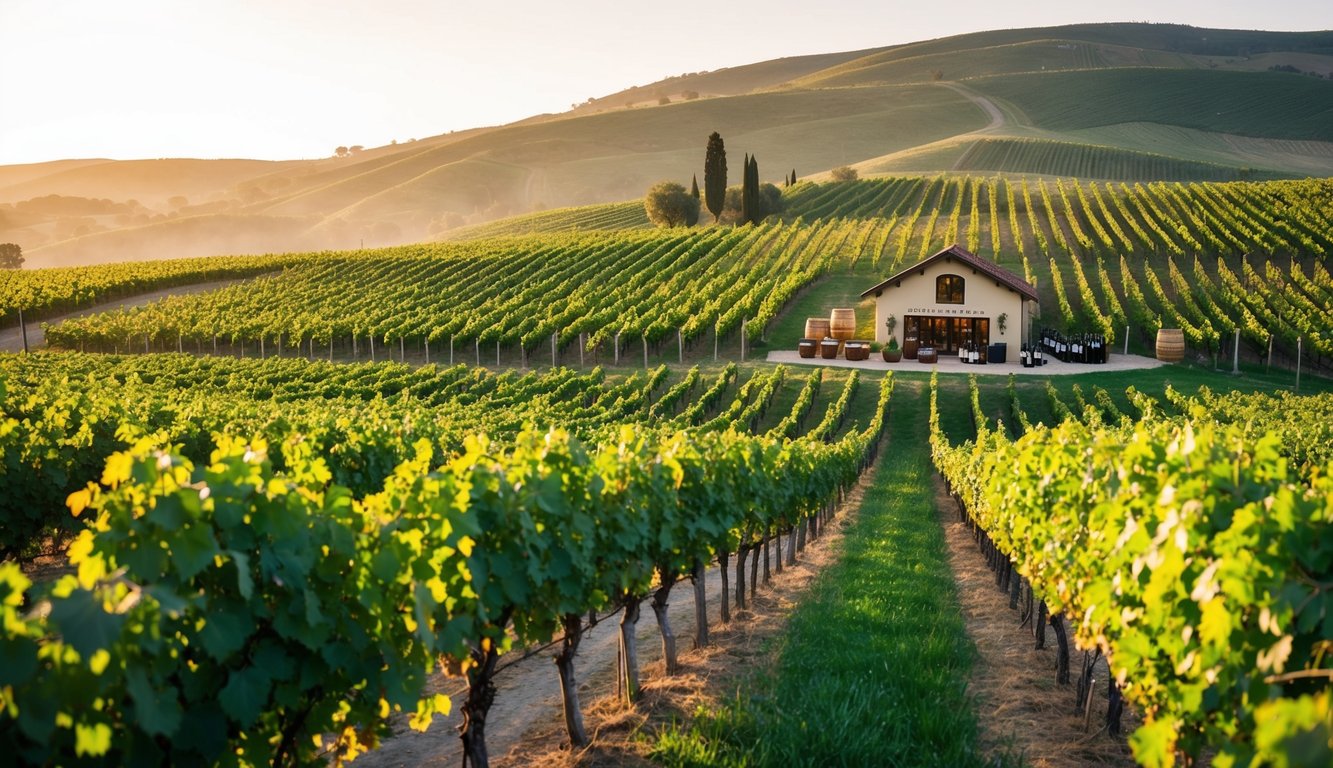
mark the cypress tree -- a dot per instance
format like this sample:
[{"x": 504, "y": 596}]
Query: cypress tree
[
  {"x": 747, "y": 196},
  {"x": 751, "y": 203},
  {"x": 692, "y": 215},
  {"x": 715, "y": 176}
]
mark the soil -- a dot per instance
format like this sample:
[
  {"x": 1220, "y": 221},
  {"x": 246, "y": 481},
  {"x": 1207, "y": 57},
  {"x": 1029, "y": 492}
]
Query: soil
[
  {"x": 1021, "y": 710},
  {"x": 526, "y": 727}
]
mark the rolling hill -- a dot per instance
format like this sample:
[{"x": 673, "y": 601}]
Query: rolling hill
[{"x": 1104, "y": 101}]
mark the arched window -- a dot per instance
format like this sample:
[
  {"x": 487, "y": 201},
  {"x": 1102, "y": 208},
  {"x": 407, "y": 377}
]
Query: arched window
[{"x": 949, "y": 289}]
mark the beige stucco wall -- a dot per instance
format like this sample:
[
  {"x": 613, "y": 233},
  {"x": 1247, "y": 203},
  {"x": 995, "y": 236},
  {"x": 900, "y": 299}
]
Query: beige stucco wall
[{"x": 983, "y": 296}]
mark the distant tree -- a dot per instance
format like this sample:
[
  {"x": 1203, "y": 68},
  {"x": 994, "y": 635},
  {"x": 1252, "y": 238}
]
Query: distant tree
[
  {"x": 693, "y": 218},
  {"x": 354, "y": 149},
  {"x": 937, "y": 75},
  {"x": 770, "y": 200},
  {"x": 663, "y": 101},
  {"x": 750, "y": 192},
  {"x": 843, "y": 173},
  {"x": 753, "y": 207},
  {"x": 669, "y": 205},
  {"x": 340, "y": 152},
  {"x": 11, "y": 256},
  {"x": 715, "y": 176},
  {"x": 690, "y": 95},
  {"x": 178, "y": 201},
  {"x": 793, "y": 177}
]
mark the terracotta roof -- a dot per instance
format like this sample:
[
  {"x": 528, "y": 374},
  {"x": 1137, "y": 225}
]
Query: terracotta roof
[{"x": 999, "y": 274}]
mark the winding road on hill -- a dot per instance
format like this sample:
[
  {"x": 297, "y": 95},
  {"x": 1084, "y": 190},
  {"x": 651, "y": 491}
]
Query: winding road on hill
[{"x": 988, "y": 106}]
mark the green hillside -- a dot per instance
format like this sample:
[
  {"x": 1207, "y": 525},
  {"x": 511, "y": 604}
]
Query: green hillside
[
  {"x": 1119, "y": 101},
  {"x": 1264, "y": 104}
]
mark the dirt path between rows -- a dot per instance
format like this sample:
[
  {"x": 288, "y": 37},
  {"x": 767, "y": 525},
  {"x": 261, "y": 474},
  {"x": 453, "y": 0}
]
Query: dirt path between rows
[
  {"x": 1020, "y": 708},
  {"x": 11, "y": 339}
]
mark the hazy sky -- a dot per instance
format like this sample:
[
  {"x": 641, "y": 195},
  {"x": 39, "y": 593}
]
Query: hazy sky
[{"x": 278, "y": 79}]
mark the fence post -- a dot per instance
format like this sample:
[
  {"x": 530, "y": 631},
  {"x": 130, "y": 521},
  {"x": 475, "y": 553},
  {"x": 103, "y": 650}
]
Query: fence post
[
  {"x": 1127, "y": 339},
  {"x": 1269, "y": 365},
  {"x": 478, "y": 345},
  {"x": 680, "y": 346},
  {"x": 552, "y": 349},
  {"x": 497, "y": 353},
  {"x": 645, "y": 352},
  {"x": 427, "y": 343},
  {"x": 1235, "y": 355},
  {"x": 23, "y": 329},
  {"x": 582, "y": 343},
  {"x": 715, "y": 341},
  {"x": 616, "y": 356}
]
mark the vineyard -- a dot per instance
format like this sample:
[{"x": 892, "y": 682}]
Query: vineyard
[
  {"x": 292, "y": 502},
  {"x": 266, "y": 462},
  {"x": 605, "y": 216},
  {"x": 1208, "y": 258},
  {"x": 1061, "y": 158}
]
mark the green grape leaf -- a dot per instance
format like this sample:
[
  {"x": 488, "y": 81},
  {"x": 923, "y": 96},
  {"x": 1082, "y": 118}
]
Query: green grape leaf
[
  {"x": 18, "y": 660},
  {"x": 84, "y": 623},
  {"x": 243, "y": 696},
  {"x": 224, "y": 632},
  {"x": 193, "y": 550},
  {"x": 158, "y": 711}
]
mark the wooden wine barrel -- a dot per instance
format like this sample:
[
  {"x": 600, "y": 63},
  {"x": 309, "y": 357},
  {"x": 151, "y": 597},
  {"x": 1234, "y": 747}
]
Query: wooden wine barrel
[
  {"x": 842, "y": 324},
  {"x": 806, "y": 347},
  {"x": 910, "y": 347},
  {"x": 1170, "y": 345},
  {"x": 816, "y": 328},
  {"x": 829, "y": 348}
]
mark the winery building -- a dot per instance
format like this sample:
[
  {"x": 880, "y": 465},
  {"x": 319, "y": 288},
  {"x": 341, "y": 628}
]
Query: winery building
[{"x": 953, "y": 298}]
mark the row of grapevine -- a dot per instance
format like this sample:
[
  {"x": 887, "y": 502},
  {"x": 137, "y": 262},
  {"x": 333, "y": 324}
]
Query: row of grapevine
[
  {"x": 251, "y": 610},
  {"x": 72, "y": 410},
  {"x": 41, "y": 293},
  {"x": 1185, "y": 549},
  {"x": 1059, "y": 158},
  {"x": 633, "y": 285}
]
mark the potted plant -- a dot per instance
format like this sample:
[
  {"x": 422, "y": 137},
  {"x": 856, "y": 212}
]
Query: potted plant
[{"x": 891, "y": 352}]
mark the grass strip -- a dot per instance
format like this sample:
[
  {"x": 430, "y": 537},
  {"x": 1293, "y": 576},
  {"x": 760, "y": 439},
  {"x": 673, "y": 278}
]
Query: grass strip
[{"x": 873, "y": 667}]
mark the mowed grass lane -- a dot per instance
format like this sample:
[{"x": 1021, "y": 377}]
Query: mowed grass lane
[{"x": 873, "y": 667}]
